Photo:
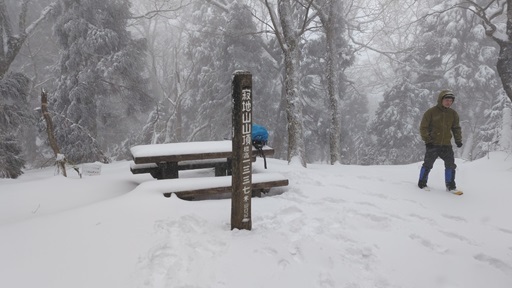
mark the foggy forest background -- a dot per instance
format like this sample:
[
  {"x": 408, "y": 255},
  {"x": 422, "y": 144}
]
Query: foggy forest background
[{"x": 334, "y": 81}]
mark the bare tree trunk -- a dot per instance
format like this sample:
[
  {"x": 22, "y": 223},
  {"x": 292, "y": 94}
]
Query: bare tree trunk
[
  {"x": 288, "y": 34},
  {"x": 296, "y": 147},
  {"x": 10, "y": 44},
  {"x": 491, "y": 13},
  {"x": 327, "y": 14},
  {"x": 334, "y": 133},
  {"x": 504, "y": 67},
  {"x": 60, "y": 159}
]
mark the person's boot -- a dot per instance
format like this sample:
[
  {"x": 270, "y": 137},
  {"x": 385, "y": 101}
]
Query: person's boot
[
  {"x": 449, "y": 178},
  {"x": 422, "y": 182}
]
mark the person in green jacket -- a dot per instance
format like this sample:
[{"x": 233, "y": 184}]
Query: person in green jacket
[{"x": 436, "y": 129}]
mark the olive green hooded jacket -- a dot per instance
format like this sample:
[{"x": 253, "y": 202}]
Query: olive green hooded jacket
[{"x": 439, "y": 122}]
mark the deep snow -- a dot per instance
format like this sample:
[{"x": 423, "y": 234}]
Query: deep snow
[{"x": 333, "y": 226}]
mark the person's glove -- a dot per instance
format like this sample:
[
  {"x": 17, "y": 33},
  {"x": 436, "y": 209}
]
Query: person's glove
[
  {"x": 459, "y": 144},
  {"x": 429, "y": 145}
]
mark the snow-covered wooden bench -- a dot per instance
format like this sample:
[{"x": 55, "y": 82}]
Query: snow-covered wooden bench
[
  {"x": 220, "y": 165},
  {"x": 163, "y": 161},
  {"x": 192, "y": 188}
]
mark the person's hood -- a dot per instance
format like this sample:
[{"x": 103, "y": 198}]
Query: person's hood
[{"x": 442, "y": 94}]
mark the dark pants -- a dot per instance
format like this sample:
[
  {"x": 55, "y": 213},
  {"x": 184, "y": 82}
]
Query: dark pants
[
  {"x": 431, "y": 155},
  {"x": 443, "y": 152}
]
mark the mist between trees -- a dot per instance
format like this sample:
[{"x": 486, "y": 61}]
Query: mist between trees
[{"x": 333, "y": 81}]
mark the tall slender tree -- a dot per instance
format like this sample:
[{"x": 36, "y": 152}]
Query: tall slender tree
[
  {"x": 338, "y": 56},
  {"x": 290, "y": 20}
]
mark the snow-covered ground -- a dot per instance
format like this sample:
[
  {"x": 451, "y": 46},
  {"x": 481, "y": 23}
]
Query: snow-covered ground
[{"x": 333, "y": 226}]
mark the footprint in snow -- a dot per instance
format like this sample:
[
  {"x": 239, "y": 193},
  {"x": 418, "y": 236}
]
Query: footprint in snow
[
  {"x": 325, "y": 280},
  {"x": 155, "y": 267},
  {"x": 267, "y": 251},
  {"x": 283, "y": 264},
  {"x": 423, "y": 218},
  {"x": 332, "y": 201},
  {"x": 505, "y": 230},
  {"x": 458, "y": 237},
  {"x": 369, "y": 204},
  {"x": 373, "y": 218},
  {"x": 371, "y": 178},
  {"x": 378, "y": 195},
  {"x": 454, "y": 218},
  {"x": 296, "y": 254},
  {"x": 291, "y": 210},
  {"x": 494, "y": 262},
  {"x": 428, "y": 244}
]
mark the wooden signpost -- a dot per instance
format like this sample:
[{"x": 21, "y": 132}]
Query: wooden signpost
[{"x": 242, "y": 150}]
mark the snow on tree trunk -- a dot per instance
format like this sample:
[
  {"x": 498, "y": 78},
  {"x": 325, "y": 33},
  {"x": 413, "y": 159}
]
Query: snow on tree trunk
[
  {"x": 334, "y": 133},
  {"x": 296, "y": 147},
  {"x": 504, "y": 67},
  {"x": 333, "y": 27},
  {"x": 467, "y": 149},
  {"x": 506, "y": 130},
  {"x": 60, "y": 159}
]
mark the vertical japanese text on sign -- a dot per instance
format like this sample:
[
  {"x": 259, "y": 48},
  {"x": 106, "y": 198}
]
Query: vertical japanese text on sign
[{"x": 246, "y": 132}]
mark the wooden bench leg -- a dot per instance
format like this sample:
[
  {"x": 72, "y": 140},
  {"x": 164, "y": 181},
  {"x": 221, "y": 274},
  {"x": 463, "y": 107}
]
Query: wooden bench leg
[
  {"x": 168, "y": 170},
  {"x": 256, "y": 193},
  {"x": 221, "y": 170},
  {"x": 157, "y": 174},
  {"x": 229, "y": 167}
]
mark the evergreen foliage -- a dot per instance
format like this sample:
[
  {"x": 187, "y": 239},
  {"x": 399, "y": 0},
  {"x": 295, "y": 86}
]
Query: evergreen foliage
[
  {"x": 452, "y": 53},
  {"x": 237, "y": 48},
  {"x": 101, "y": 92},
  {"x": 14, "y": 112},
  {"x": 395, "y": 127},
  {"x": 354, "y": 120},
  {"x": 492, "y": 137},
  {"x": 467, "y": 61}
]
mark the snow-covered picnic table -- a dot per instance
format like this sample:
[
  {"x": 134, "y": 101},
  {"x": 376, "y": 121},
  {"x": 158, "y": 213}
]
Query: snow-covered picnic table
[{"x": 164, "y": 161}]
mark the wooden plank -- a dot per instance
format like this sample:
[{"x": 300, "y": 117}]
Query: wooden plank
[
  {"x": 222, "y": 166},
  {"x": 215, "y": 185},
  {"x": 143, "y": 170},
  {"x": 184, "y": 165},
  {"x": 224, "y": 189},
  {"x": 187, "y": 157},
  {"x": 182, "y": 157},
  {"x": 170, "y": 157},
  {"x": 191, "y": 194}
]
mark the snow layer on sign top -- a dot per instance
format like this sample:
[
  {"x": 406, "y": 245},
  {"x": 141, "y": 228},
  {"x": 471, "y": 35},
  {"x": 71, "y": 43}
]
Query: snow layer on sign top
[{"x": 181, "y": 148}]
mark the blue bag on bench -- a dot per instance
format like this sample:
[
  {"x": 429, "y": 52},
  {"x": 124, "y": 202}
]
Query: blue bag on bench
[
  {"x": 259, "y": 138},
  {"x": 259, "y": 135}
]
